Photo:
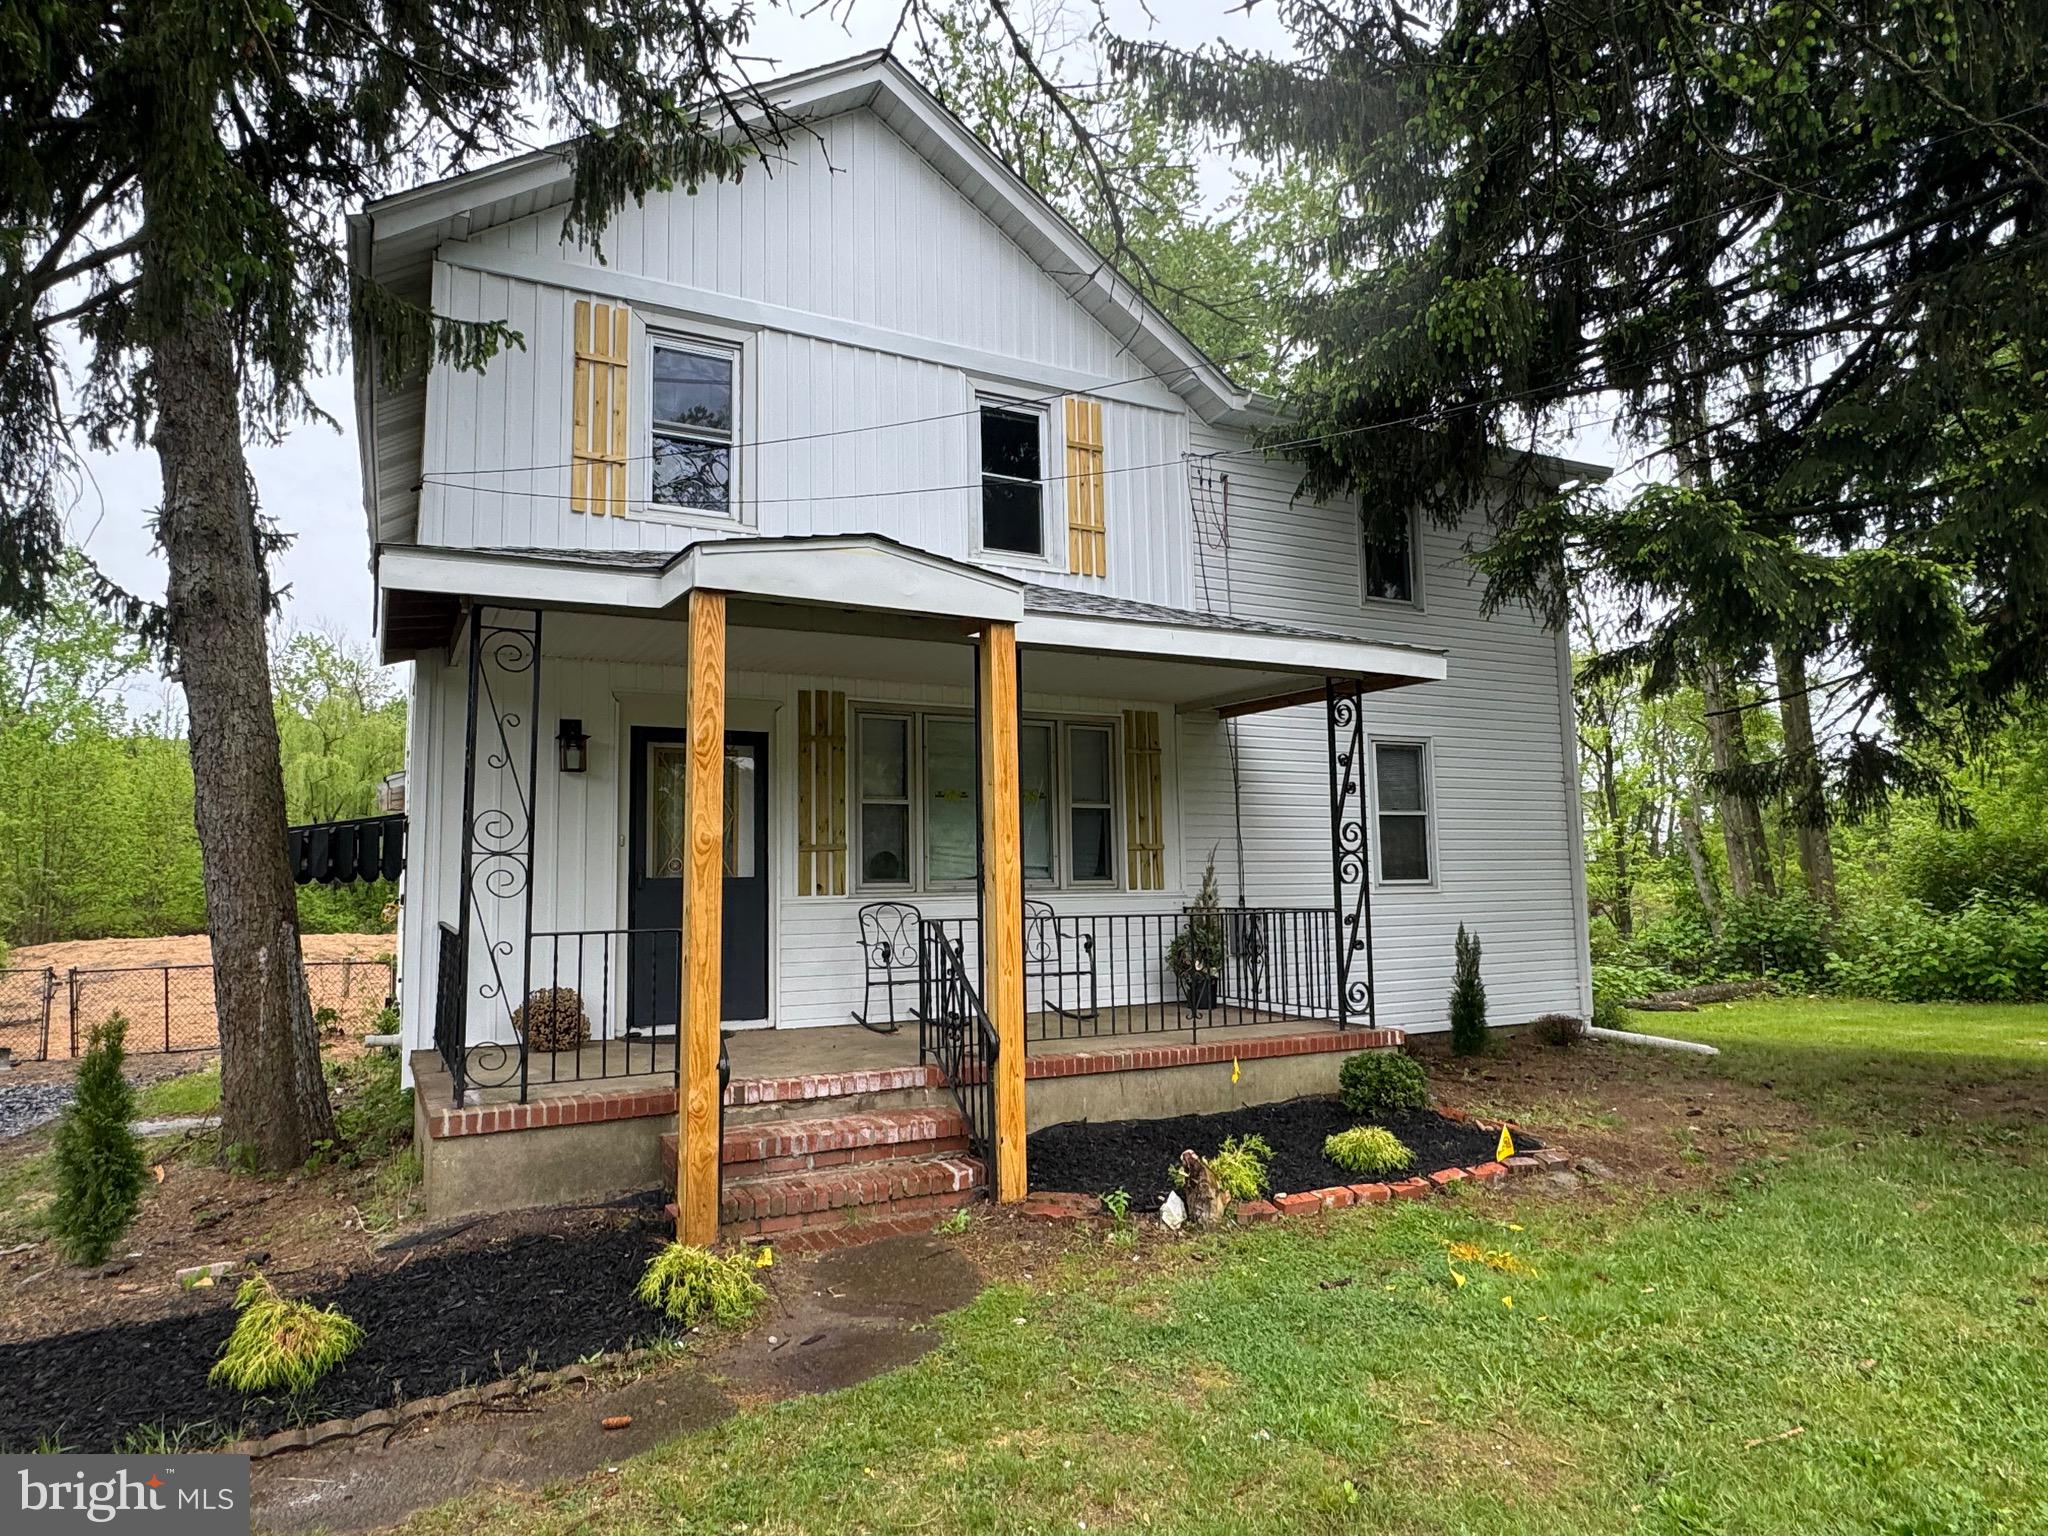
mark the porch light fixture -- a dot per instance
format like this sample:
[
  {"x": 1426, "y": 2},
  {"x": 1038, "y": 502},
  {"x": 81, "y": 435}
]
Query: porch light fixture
[{"x": 572, "y": 747}]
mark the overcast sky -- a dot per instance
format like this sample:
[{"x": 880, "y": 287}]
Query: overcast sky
[{"x": 310, "y": 483}]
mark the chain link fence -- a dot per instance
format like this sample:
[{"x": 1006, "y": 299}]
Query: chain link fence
[{"x": 47, "y": 1014}]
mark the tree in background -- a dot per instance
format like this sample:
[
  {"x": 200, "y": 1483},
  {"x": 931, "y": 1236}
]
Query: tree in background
[
  {"x": 1220, "y": 275},
  {"x": 1798, "y": 248},
  {"x": 171, "y": 180}
]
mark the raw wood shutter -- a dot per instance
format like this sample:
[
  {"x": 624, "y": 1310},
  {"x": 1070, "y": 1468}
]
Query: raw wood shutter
[
  {"x": 1144, "y": 816},
  {"x": 1087, "y": 541},
  {"x": 597, "y": 468},
  {"x": 821, "y": 792}
]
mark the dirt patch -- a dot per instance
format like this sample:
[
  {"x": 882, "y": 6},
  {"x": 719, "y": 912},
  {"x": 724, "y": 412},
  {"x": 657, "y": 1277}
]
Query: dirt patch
[
  {"x": 1646, "y": 1114},
  {"x": 481, "y": 1306},
  {"x": 1135, "y": 1155},
  {"x": 164, "y": 988}
]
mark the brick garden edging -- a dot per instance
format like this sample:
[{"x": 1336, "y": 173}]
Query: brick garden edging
[
  {"x": 1062, "y": 1205},
  {"x": 407, "y": 1414}
]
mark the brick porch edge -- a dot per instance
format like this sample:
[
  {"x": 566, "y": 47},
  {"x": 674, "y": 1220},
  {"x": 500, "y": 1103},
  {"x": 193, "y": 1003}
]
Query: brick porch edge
[
  {"x": 597, "y": 1105},
  {"x": 1060, "y": 1205}
]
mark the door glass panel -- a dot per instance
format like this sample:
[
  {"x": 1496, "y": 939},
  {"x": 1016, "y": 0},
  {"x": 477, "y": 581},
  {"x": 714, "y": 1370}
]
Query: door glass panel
[
  {"x": 742, "y": 854},
  {"x": 949, "y": 840},
  {"x": 666, "y": 762}
]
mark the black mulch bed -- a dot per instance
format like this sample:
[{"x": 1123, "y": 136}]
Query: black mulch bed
[
  {"x": 1095, "y": 1157},
  {"x": 431, "y": 1323}
]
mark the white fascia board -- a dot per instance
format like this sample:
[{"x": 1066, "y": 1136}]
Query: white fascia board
[
  {"x": 1307, "y": 655},
  {"x": 516, "y": 580},
  {"x": 852, "y": 573}
]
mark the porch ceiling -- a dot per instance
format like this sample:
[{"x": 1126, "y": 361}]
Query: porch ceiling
[{"x": 885, "y": 604}]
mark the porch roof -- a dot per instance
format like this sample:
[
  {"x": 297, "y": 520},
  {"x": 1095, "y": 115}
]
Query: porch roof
[{"x": 868, "y": 583}]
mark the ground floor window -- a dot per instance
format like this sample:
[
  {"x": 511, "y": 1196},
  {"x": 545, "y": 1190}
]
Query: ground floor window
[
  {"x": 919, "y": 820},
  {"x": 1401, "y": 803}
]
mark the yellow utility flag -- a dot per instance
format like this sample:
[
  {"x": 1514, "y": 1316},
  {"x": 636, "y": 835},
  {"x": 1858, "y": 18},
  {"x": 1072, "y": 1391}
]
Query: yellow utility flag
[
  {"x": 1506, "y": 1149},
  {"x": 765, "y": 1259},
  {"x": 1234, "y": 1073}
]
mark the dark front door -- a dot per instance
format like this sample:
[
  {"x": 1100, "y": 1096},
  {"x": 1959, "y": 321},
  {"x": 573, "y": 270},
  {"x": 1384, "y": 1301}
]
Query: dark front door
[{"x": 655, "y": 885}]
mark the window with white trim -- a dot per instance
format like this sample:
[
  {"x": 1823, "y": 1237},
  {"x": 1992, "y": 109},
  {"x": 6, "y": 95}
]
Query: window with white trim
[
  {"x": 918, "y": 822},
  {"x": 1388, "y": 561},
  {"x": 1012, "y": 479},
  {"x": 883, "y": 789},
  {"x": 1401, "y": 805},
  {"x": 693, "y": 411},
  {"x": 1091, "y": 804}
]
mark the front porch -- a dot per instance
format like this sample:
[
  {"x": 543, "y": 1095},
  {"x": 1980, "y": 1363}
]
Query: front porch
[
  {"x": 812, "y": 1109},
  {"x": 897, "y": 831}
]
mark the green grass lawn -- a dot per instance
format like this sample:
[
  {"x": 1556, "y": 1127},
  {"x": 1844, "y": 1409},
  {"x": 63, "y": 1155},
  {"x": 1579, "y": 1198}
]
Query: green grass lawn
[
  {"x": 195, "y": 1093},
  {"x": 1849, "y": 1334}
]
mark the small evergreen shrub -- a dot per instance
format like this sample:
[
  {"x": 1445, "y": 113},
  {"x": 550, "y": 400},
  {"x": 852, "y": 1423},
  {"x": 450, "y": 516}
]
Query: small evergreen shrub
[
  {"x": 99, "y": 1166},
  {"x": 1559, "y": 1029},
  {"x": 1367, "y": 1149},
  {"x": 1240, "y": 1166},
  {"x": 1381, "y": 1082},
  {"x": 694, "y": 1285},
  {"x": 1468, "y": 997},
  {"x": 281, "y": 1343}
]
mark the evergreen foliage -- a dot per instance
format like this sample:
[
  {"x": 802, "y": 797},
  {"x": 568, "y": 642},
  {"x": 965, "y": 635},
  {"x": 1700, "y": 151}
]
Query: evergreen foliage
[
  {"x": 691, "y": 1286},
  {"x": 1798, "y": 247},
  {"x": 279, "y": 1343},
  {"x": 1381, "y": 1082},
  {"x": 1468, "y": 997},
  {"x": 1370, "y": 1150},
  {"x": 99, "y": 1169}
]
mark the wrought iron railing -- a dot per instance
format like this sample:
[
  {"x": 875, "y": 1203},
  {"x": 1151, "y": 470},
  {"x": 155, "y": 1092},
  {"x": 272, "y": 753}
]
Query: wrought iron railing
[
  {"x": 450, "y": 990},
  {"x": 954, "y": 1033},
  {"x": 1133, "y": 973},
  {"x": 602, "y": 1003}
]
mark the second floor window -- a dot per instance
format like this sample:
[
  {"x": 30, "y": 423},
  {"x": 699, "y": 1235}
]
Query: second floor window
[
  {"x": 693, "y": 426},
  {"x": 1390, "y": 563},
  {"x": 1012, "y": 480}
]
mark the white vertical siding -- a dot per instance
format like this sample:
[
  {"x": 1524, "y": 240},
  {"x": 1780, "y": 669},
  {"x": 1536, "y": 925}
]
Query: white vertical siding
[{"x": 853, "y": 229}]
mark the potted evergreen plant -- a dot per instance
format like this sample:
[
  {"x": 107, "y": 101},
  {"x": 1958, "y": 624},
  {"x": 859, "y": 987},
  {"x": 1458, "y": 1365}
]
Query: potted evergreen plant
[{"x": 1195, "y": 956}]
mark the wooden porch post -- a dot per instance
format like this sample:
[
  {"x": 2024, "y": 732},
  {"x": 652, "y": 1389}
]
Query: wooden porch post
[
  {"x": 1002, "y": 897},
  {"x": 703, "y": 898}
]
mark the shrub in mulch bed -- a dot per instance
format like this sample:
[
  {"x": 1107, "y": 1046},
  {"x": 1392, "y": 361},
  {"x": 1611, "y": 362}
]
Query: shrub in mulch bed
[
  {"x": 430, "y": 1324},
  {"x": 1093, "y": 1157}
]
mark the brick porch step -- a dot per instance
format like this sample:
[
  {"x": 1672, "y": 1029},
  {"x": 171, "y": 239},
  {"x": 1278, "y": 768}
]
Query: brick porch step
[
  {"x": 769, "y": 1147},
  {"x": 876, "y": 1194}
]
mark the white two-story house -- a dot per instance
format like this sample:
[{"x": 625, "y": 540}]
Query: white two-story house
[{"x": 846, "y": 630}]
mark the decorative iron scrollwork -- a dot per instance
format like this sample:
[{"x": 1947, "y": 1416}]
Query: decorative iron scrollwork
[
  {"x": 499, "y": 840},
  {"x": 1350, "y": 849}
]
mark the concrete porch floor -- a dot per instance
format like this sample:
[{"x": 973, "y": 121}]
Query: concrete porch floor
[{"x": 831, "y": 1049}]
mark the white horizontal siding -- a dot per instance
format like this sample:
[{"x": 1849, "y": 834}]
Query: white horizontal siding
[{"x": 1500, "y": 752}]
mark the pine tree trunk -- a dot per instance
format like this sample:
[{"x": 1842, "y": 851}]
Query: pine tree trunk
[
  {"x": 1809, "y": 805},
  {"x": 1742, "y": 824},
  {"x": 273, "y": 1098},
  {"x": 1696, "y": 859}
]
